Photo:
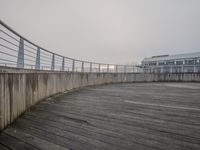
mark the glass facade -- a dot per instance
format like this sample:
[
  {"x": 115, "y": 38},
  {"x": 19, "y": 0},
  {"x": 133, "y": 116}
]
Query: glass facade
[{"x": 168, "y": 64}]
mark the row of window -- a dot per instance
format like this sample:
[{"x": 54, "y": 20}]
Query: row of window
[
  {"x": 174, "y": 69},
  {"x": 172, "y": 62}
]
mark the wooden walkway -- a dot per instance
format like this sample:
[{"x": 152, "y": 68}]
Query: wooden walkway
[{"x": 139, "y": 116}]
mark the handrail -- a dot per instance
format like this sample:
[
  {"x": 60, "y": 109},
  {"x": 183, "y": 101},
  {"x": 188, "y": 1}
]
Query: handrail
[
  {"x": 40, "y": 59},
  {"x": 17, "y": 50}
]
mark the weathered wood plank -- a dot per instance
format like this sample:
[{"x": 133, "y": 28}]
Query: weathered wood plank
[
  {"x": 32, "y": 140},
  {"x": 121, "y": 116},
  {"x": 2, "y": 147},
  {"x": 15, "y": 143}
]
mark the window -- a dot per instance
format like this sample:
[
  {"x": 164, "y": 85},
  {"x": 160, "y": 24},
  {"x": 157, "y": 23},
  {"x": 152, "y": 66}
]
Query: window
[
  {"x": 152, "y": 64},
  {"x": 179, "y": 62},
  {"x": 170, "y": 62},
  {"x": 161, "y": 63},
  {"x": 191, "y": 62}
]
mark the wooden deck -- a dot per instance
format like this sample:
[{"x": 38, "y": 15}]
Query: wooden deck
[{"x": 134, "y": 116}]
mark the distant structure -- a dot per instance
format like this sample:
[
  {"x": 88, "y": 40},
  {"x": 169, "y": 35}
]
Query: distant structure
[{"x": 189, "y": 62}]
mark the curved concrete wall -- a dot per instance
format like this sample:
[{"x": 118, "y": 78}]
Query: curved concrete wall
[{"x": 24, "y": 88}]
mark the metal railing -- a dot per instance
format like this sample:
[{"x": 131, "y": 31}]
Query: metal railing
[{"x": 17, "y": 51}]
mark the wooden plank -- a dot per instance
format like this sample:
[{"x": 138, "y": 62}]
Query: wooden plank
[
  {"x": 32, "y": 140},
  {"x": 101, "y": 118},
  {"x": 2, "y": 147},
  {"x": 88, "y": 138},
  {"x": 139, "y": 130},
  {"x": 14, "y": 143}
]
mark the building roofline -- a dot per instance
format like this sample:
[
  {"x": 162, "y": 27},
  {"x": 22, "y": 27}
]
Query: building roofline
[{"x": 172, "y": 57}]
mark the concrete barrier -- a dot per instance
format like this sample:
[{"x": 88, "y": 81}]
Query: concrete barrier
[{"x": 21, "y": 89}]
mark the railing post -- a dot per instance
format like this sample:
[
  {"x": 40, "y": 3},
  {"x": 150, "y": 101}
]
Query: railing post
[
  {"x": 124, "y": 68},
  {"x": 194, "y": 68},
  {"x": 116, "y": 68},
  {"x": 20, "y": 58},
  {"x": 37, "y": 62},
  {"x": 171, "y": 69},
  {"x": 90, "y": 67},
  {"x": 63, "y": 64},
  {"x": 53, "y": 63},
  {"x": 99, "y": 68},
  {"x": 182, "y": 69},
  {"x": 82, "y": 68},
  {"x": 108, "y": 68},
  {"x": 73, "y": 65},
  {"x": 161, "y": 69}
]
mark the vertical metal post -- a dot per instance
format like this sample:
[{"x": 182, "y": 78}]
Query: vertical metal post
[
  {"x": 82, "y": 68},
  {"x": 182, "y": 69},
  {"x": 63, "y": 64},
  {"x": 53, "y": 63},
  {"x": 124, "y": 68},
  {"x": 37, "y": 62},
  {"x": 90, "y": 67},
  {"x": 161, "y": 69},
  {"x": 20, "y": 58},
  {"x": 99, "y": 67},
  {"x": 194, "y": 68},
  {"x": 73, "y": 65},
  {"x": 171, "y": 69},
  {"x": 108, "y": 68},
  {"x": 116, "y": 68}
]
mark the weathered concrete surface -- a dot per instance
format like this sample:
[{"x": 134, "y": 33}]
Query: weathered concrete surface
[
  {"x": 136, "y": 116},
  {"x": 24, "y": 88},
  {"x": 19, "y": 91}
]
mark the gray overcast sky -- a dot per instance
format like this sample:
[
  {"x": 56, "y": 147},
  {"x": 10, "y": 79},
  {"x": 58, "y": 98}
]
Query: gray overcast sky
[{"x": 110, "y": 31}]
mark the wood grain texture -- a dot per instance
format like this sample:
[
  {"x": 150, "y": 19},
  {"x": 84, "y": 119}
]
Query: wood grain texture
[{"x": 141, "y": 116}]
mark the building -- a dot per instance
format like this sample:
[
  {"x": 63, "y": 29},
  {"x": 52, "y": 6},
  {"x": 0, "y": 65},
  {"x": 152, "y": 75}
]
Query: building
[{"x": 189, "y": 62}]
